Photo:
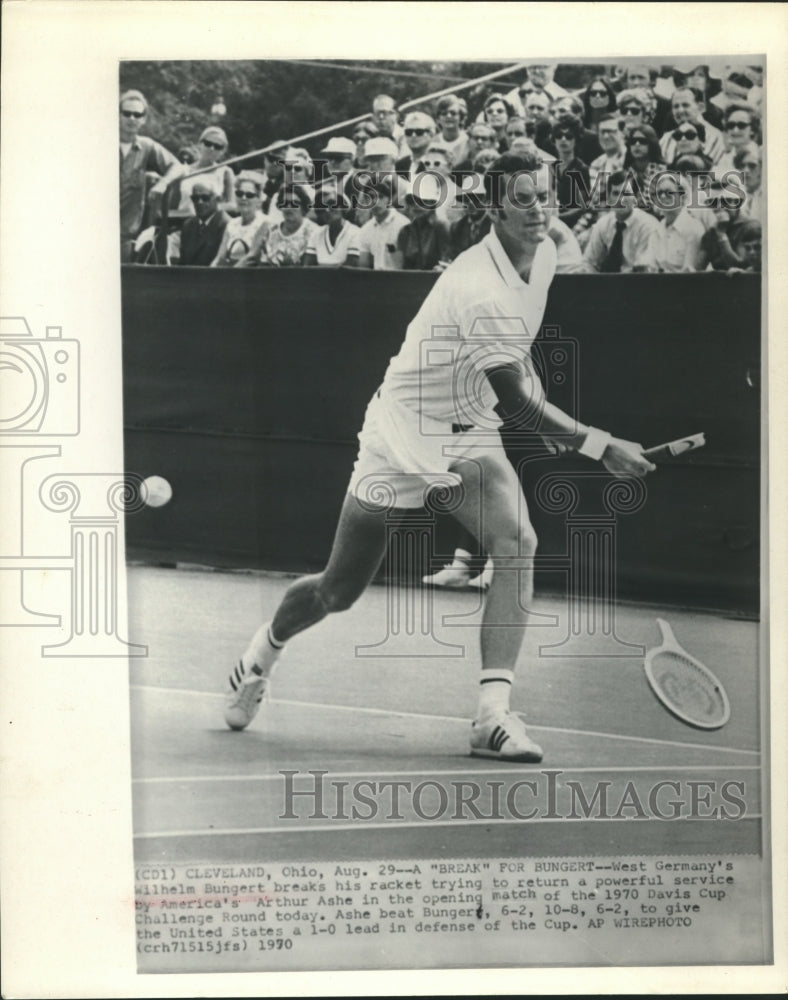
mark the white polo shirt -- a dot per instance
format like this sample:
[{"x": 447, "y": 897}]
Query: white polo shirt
[
  {"x": 380, "y": 239},
  {"x": 479, "y": 313}
]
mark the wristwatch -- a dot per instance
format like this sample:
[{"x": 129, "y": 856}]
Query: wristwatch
[{"x": 595, "y": 443}]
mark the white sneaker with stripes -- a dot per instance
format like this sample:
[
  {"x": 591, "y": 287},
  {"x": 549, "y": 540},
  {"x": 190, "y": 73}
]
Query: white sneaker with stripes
[
  {"x": 245, "y": 695},
  {"x": 503, "y": 737}
]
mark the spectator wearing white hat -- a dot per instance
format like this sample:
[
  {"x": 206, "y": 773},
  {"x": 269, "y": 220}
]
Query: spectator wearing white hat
[
  {"x": 419, "y": 130},
  {"x": 438, "y": 161},
  {"x": 212, "y": 147},
  {"x": 424, "y": 242},
  {"x": 380, "y": 156},
  {"x": 378, "y": 248},
  {"x": 338, "y": 154}
]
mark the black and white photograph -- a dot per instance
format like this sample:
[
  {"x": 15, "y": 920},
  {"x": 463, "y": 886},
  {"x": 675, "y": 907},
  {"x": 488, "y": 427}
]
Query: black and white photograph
[{"x": 391, "y": 449}]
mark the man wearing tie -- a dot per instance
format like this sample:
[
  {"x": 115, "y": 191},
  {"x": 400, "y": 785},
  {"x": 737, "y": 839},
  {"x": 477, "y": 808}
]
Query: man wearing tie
[
  {"x": 420, "y": 129},
  {"x": 202, "y": 233},
  {"x": 625, "y": 238}
]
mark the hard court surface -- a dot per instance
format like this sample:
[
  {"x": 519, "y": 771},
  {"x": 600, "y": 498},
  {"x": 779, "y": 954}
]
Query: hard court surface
[{"x": 344, "y": 705}]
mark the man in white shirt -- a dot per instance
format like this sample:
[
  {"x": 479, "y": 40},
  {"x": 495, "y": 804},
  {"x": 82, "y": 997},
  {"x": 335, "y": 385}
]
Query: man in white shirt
[
  {"x": 611, "y": 139},
  {"x": 377, "y": 241},
  {"x": 419, "y": 129},
  {"x": 680, "y": 235},
  {"x": 464, "y": 366},
  {"x": 625, "y": 237}
]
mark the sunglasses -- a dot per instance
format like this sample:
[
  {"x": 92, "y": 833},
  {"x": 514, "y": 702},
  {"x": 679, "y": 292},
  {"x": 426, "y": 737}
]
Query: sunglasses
[
  {"x": 598, "y": 93},
  {"x": 133, "y": 114},
  {"x": 246, "y": 194},
  {"x": 563, "y": 135},
  {"x": 631, "y": 111},
  {"x": 202, "y": 197},
  {"x": 729, "y": 126},
  {"x": 687, "y": 133},
  {"x": 433, "y": 163},
  {"x": 639, "y": 139},
  {"x": 212, "y": 145},
  {"x": 416, "y": 131}
]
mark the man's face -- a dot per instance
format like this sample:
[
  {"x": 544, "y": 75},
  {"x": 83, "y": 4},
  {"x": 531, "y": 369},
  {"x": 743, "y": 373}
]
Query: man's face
[
  {"x": 204, "y": 201},
  {"x": 482, "y": 137},
  {"x": 449, "y": 121},
  {"x": 384, "y": 114},
  {"x": 339, "y": 163},
  {"x": 609, "y": 137},
  {"x": 623, "y": 201},
  {"x": 536, "y": 107},
  {"x": 668, "y": 196},
  {"x": 381, "y": 205},
  {"x": 522, "y": 216},
  {"x": 565, "y": 144},
  {"x": 684, "y": 107},
  {"x": 750, "y": 171},
  {"x": 638, "y": 76},
  {"x": 437, "y": 162},
  {"x": 750, "y": 249},
  {"x": 380, "y": 163},
  {"x": 418, "y": 134},
  {"x": 274, "y": 164},
  {"x": 738, "y": 129},
  {"x": 563, "y": 108},
  {"x": 514, "y": 129},
  {"x": 132, "y": 118},
  {"x": 540, "y": 76}
]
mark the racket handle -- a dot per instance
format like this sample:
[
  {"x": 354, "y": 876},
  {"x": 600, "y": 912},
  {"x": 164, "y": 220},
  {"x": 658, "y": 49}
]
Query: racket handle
[{"x": 672, "y": 448}]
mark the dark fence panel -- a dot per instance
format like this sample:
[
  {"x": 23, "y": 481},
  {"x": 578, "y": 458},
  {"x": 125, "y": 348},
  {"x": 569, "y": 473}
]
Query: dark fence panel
[{"x": 246, "y": 390}]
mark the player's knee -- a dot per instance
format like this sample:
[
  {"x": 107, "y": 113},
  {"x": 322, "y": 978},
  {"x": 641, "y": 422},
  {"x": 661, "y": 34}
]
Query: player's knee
[{"x": 513, "y": 540}]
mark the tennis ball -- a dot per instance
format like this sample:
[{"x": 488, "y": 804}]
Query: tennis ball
[{"x": 155, "y": 491}]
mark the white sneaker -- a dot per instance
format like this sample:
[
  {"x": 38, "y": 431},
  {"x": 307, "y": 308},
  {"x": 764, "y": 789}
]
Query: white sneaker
[
  {"x": 484, "y": 579},
  {"x": 454, "y": 576},
  {"x": 245, "y": 695},
  {"x": 503, "y": 737}
]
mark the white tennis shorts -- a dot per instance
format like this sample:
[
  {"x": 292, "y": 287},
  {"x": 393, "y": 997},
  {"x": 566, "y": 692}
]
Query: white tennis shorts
[{"x": 403, "y": 454}]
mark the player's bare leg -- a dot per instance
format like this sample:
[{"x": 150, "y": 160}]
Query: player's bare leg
[
  {"x": 495, "y": 508},
  {"x": 358, "y": 548}
]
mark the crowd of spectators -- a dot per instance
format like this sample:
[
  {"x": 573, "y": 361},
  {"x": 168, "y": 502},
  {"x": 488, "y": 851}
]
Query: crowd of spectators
[{"x": 648, "y": 170}]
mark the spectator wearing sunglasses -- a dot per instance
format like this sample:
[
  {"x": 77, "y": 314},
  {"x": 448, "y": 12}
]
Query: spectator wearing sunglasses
[
  {"x": 644, "y": 78},
  {"x": 241, "y": 231},
  {"x": 687, "y": 108},
  {"x": 643, "y": 160},
  {"x": 419, "y": 129},
  {"x": 424, "y": 242},
  {"x": 274, "y": 178},
  {"x": 334, "y": 242},
  {"x": 202, "y": 233},
  {"x": 496, "y": 112},
  {"x": 741, "y": 126},
  {"x": 687, "y": 139},
  {"x": 599, "y": 101},
  {"x": 480, "y": 137},
  {"x": 140, "y": 156},
  {"x": 285, "y": 243},
  {"x": 438, "y": 162},
  {"x": 634, "y": 107},
  {"x": 747, "y": 163},
  {"x": 212, "y": 146},
  {"x": 587, "y": 145},
  {"x": 572, "y": 176},
  {"x": 680, "y": 235}
]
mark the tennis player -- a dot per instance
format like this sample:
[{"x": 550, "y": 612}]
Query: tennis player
[{"x": 465, "y": 364}]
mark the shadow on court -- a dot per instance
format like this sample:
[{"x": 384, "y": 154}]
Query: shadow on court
[{"x": 344, "y": 705}]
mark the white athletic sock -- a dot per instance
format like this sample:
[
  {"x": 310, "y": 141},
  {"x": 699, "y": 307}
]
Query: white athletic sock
[
  {"x": 263, "y": 652},
  {"x": 461, "y": 559},
  {"x": 495, "y": 687}
]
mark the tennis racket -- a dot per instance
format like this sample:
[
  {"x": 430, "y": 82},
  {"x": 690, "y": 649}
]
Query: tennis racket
[
  {"x": 677, "y": 447},
  {"x": 687, "y": 688}
]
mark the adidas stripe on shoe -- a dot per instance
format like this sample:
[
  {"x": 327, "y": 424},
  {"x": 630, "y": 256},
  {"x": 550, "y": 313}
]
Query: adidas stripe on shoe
[
  {"x": 504, "y": 737},
  {"x": 246, "y": 693}
]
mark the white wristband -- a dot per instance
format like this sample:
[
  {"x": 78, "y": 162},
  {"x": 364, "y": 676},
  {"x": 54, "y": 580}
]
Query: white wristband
[{"x": 595, "y": 443}]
